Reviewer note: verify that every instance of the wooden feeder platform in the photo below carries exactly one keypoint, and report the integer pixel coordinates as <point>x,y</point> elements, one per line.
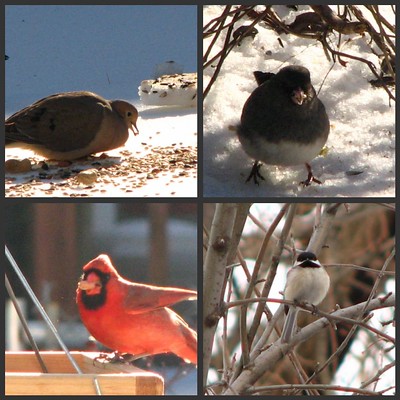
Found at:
<point>24,376</point>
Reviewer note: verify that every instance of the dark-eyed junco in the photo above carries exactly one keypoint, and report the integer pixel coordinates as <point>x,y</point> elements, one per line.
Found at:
<point>283,122</point>
<point>307,281</point>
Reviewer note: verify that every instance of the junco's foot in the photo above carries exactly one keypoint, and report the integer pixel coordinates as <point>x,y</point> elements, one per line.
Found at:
<point>283,122</point>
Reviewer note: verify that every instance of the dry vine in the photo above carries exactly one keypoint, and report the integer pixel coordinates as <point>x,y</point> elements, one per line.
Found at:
<point>321,24</point>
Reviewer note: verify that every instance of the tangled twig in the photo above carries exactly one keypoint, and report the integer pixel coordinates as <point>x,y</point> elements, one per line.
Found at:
<point>321,24</point>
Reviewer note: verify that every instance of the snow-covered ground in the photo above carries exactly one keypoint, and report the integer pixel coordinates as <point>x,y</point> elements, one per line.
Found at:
<point>360,159</point>
<point>108,50</point>
<point>144,167</point>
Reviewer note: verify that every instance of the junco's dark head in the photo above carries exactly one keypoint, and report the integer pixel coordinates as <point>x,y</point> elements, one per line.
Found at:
<point>296,82</point>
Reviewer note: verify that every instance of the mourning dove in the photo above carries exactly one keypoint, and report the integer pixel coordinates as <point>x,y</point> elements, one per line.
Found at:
<point>70,125</point>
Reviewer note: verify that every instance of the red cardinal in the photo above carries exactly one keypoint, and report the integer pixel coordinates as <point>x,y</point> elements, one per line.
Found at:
<point>131,317</point>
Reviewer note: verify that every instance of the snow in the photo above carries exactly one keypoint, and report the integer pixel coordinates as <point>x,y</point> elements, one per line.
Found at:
<point>170,90</point>
<point>360,157</point>
<point>108,50</point>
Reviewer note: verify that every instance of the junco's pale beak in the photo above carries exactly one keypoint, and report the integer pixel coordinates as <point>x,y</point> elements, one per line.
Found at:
<point>298,96</point>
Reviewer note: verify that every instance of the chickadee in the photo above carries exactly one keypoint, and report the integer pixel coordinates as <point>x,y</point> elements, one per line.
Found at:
<point>307,281</point>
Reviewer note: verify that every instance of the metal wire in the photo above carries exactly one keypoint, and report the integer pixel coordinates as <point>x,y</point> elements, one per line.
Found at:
<point>45,316</point>
<point>25,325</point>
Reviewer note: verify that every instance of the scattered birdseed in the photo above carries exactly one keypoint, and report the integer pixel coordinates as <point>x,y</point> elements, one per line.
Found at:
<point>158,163</point>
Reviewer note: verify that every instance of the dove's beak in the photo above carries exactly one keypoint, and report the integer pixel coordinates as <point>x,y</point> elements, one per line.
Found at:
<point>134,128</point>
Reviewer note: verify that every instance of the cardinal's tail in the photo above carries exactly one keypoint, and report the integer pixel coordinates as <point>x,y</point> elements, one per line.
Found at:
<point>187,347</point>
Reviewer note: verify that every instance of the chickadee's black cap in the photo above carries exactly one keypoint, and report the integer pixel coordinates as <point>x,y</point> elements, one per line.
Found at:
<point>306,255</point>
<point>308,260</point>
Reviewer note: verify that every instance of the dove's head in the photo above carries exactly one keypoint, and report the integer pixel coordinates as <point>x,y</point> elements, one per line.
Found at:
<point>128,112</point>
